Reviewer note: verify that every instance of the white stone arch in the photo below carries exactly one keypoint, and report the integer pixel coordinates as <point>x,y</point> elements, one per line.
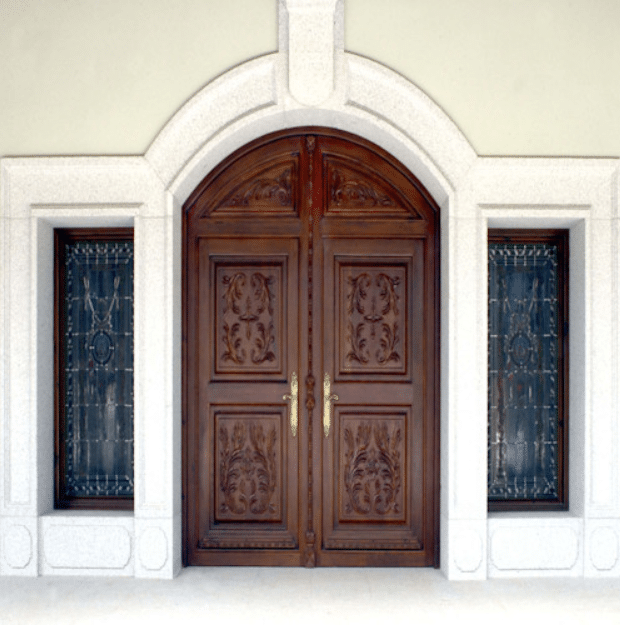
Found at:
<point>369,100</point>
<point>376,103</point>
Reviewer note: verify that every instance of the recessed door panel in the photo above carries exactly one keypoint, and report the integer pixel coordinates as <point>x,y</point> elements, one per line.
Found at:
<point>372,316</point>
<point>249,329</point>
<point>249,462</point>
<point>371,481</point>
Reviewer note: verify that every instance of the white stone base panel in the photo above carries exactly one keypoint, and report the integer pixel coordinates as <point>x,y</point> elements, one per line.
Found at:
<point>158,548</point>
<point>19,546</point>
<point>463,549</point>
<point>83,543</point>
<point>602,548</point>
<point>535,547</point>
<point>92,544</point>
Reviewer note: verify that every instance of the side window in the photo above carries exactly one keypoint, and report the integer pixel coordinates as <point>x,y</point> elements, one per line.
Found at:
<point>528,370</point>
<point>94,369</point>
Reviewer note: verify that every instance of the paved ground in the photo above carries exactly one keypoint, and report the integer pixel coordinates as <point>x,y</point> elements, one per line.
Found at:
<point>300,596</point>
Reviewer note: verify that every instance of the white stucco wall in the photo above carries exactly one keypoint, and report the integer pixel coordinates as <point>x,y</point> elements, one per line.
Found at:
<point>362,96</point>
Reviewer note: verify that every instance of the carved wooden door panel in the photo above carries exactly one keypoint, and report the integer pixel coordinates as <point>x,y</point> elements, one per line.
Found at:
<point>373,402</point>
<point>248,334</point>
<point>379,340</point>
<point>242,356</point>
<point>310,358</point>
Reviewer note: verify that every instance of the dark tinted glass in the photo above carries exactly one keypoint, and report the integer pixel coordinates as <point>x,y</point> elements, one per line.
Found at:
<point>523,371</point>
<point>98,369</point>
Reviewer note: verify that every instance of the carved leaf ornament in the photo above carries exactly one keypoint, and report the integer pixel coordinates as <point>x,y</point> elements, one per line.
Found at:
<point>372,471</point>
<point>349,191</point>
<point>248,318</point>
<point>247,467</point>
<point>373,309</point>
<point>277,190</point>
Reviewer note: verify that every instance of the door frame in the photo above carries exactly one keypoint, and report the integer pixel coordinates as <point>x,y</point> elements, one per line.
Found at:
<point>432,509</point>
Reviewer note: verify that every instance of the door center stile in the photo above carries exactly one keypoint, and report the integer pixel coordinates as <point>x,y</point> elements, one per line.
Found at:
<point>310,551</point>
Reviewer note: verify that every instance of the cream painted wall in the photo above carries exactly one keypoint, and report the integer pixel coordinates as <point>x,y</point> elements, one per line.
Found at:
<point>536,77</point>
<point>104,76</point>
<point>519,77</point>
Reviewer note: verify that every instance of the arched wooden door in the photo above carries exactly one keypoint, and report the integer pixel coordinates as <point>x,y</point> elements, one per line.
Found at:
<point>311,358</point>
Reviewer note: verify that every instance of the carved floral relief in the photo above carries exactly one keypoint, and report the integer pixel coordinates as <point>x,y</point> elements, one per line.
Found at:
<point>346,190</point>
<point>275,189</point>
<point>247,469</point>
<point>372,318</point>
<point>372,469</point>
<point>247,318</point>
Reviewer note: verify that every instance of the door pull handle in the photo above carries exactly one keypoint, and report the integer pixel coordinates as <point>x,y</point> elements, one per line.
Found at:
<point>328,399</point>
<point>293,398</point>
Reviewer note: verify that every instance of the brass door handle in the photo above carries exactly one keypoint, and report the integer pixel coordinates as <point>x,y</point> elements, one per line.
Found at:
<point>328,399</point>
<point>293,398</point>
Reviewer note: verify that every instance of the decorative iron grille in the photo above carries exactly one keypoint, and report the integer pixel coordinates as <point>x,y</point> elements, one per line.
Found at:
<point>98,369</point>
<point>523,371</point>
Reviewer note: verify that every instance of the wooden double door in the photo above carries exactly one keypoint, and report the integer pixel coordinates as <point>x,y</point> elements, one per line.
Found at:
<point>310,358</point>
